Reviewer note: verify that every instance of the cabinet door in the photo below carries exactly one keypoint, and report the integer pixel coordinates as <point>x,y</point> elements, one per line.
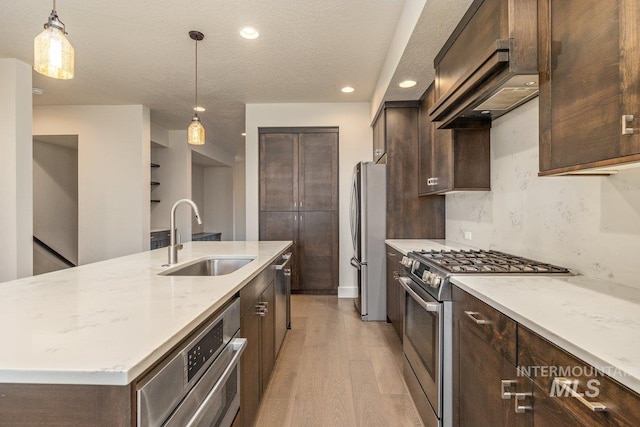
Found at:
<point>425,137</point>
<point>278,171</point>
<point>282,226</point>
<point>379,137</point>
<point>588,80</point>
<point>267,336</point>
<point>318,245</point>
<point>318,171</point>
<point>250,367</point>
<point>392,305</point>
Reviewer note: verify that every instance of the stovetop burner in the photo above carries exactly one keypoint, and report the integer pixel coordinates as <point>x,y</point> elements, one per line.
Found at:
<point>481,261</point>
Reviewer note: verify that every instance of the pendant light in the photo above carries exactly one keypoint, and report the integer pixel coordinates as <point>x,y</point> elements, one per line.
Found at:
<point>195,132</point>
<point>52,53</point>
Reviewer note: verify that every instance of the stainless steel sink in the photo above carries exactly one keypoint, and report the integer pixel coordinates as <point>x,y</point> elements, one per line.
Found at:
<point>210,267</point>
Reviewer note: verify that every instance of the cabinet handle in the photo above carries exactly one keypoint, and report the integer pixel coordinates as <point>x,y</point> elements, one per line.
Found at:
<point>300,204</point>
<point>432,181</point>
<point>626,119</point>
<point>295,204</point>
<point>287,272</point>
<point>521,409</point>
<point>504,384</point>
<point>378,151</point>
<point>391,254</point>
<point>396,274</point>
<point>569,386</point>
<point>473,315</point>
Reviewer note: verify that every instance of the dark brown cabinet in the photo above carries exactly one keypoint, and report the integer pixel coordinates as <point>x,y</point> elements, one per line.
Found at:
<point>395,291</point>
<point>299,201</point>
<point>257,325</point>
<point>451,159</point>
<point>589,87</point>
<point>484,367</point>
<point>408,216</point>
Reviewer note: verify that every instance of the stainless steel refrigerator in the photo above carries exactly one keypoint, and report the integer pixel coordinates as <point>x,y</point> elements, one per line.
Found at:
<point>368,231</point>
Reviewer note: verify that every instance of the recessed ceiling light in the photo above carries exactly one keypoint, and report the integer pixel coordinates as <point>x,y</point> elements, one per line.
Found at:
<point>199,109</point>
<point>37,91</point>
<point>407,84</point>
<point>243,134</point>
<point>347,89</point>
<point>249,33</point>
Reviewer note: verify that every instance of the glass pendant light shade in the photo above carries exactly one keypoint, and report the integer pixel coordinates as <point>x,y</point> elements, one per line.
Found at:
<point>195,132</point>
<point>53,54</point>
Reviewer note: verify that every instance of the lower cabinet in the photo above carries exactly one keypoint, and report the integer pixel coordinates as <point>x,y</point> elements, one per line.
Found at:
<point>549,388</point>
<point>486,388</point>
<point>257,325</point>
<point>395,291</point>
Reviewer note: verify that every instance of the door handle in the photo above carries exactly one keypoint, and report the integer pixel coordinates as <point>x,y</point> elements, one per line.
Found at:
<point>428,306</point>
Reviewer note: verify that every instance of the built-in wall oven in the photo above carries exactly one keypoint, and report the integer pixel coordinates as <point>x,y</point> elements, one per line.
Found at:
<point>427,345</point>
<point>199,385</point>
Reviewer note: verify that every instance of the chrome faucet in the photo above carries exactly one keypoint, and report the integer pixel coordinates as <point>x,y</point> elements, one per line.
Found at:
<point>173,247</point>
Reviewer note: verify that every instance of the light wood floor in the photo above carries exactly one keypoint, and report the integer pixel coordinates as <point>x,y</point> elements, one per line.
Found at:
<point>335,370</point>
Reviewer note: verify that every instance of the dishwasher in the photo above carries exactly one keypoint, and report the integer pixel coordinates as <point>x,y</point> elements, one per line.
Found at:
<point>283,298</point>
<point>199,384</point>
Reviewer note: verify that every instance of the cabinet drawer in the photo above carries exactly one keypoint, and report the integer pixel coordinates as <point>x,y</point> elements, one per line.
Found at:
<point>489,324</point>
<point>546,363</point>
<point>252,291</point>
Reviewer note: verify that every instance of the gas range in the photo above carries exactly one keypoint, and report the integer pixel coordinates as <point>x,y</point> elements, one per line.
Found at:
<point>432,269</point>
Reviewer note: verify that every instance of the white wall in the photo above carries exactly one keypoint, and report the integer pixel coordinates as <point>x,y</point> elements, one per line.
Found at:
<point>55,197</point>
<point>197,195</point>
<point>355,144</point>
<point>587,223</point>
<point>16,190</point>
<point>113,174</point>
<point>218,201</point>
<point>239,200</point>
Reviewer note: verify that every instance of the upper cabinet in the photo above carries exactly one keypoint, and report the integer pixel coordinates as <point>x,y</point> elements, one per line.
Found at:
<point>589,85</point>
<point>379,138</point>
<point>451,159</point>
<point>489,65</point>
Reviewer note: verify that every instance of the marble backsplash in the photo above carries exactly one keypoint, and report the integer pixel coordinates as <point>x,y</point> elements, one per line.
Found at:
<point>590,224</point>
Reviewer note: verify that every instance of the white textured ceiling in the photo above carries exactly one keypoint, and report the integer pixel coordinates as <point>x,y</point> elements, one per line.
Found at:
<point>139,52</point>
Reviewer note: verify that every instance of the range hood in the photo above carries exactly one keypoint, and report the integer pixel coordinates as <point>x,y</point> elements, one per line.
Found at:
<point>489,65</point>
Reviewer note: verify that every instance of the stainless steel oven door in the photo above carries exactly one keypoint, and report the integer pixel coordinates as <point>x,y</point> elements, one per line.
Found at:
<point>215,399</point>
<point>423,339</point>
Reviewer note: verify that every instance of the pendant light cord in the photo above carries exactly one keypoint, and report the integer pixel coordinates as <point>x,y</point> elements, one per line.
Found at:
<point>196,106</point>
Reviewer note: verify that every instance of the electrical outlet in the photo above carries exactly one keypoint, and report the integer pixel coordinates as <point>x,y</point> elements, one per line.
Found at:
<point>468,235</point>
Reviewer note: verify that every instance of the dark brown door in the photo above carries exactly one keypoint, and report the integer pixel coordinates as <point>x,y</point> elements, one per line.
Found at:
<point>282,226</point>
<point>318,252</point>
<point>267,336</point>
<point>250,371</point>
<point>278,172</point>
<point>318,182</point>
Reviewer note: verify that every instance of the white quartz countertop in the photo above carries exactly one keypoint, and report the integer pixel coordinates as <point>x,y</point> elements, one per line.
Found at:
<point>598,322</point>
<point>406,245</point>
<point>107,322</point>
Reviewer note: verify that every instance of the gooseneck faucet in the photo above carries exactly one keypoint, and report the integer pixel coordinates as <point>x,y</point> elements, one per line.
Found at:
<point>173,247</point>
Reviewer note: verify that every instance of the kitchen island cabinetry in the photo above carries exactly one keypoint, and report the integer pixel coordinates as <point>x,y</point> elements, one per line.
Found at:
<point>408,216</point>
<point>484,366</point>
<point>451,160</point>
<point>257,325</point>
<point>395,292</point>
<point>589,91</point>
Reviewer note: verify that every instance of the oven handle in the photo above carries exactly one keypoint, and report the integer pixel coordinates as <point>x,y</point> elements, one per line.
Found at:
<point>429,306</point>
<point>238,344</point>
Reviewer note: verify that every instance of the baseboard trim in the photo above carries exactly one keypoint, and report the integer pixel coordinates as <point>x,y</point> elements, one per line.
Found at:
<point>347,292</point>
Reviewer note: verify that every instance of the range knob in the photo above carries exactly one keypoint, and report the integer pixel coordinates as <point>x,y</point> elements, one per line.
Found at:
<point>435,281</point>
<point>406,261</point>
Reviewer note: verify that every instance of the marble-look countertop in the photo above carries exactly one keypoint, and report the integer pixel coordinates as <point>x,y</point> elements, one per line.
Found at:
<point>107,322</point>
<point>406,245</point>
<point>598,322</point>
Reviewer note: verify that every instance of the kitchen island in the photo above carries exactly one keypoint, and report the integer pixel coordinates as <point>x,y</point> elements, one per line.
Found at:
<point>106,323</point>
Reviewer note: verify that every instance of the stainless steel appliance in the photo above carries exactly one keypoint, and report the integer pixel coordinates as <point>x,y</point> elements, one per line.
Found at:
<point>199,384</point>
<point>368,231</point>
<point>283,298</point>
<point>428,325</point>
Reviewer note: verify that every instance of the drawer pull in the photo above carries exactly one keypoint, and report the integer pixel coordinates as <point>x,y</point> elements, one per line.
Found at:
<point>473,315</point>
<point>391,254</point>
<point>570,387</point>
<point>504,384</point>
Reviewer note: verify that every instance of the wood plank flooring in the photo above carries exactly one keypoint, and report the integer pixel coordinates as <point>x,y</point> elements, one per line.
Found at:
<point>335,370</point>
